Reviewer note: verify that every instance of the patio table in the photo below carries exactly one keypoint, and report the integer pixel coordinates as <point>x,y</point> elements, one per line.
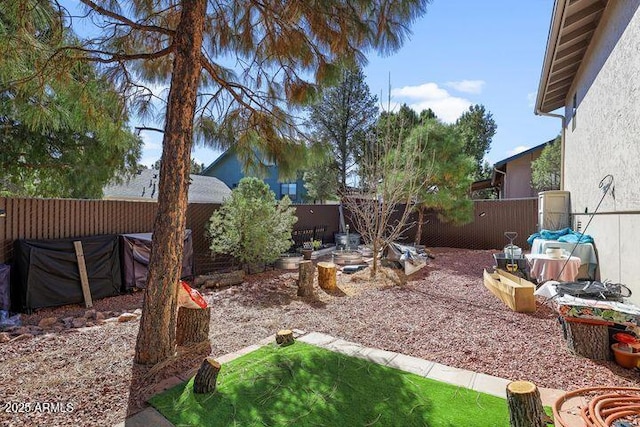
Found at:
<point>543,267</point>
<point>585,251</point>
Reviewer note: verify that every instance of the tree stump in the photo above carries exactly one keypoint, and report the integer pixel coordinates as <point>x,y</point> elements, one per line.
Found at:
<point>587,339</point>
<point>305,278</point>
<point>525,406</point>
<point>192,325</point>
<point>327,276</point>
<point>205,380</point>
<point>284,337</point>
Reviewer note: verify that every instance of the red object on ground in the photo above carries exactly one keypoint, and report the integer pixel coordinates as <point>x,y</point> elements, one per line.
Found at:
<point>189,297</point>
<point>625,338</point>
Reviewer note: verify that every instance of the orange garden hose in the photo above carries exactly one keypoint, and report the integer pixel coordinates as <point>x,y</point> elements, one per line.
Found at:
<point>607,406</point>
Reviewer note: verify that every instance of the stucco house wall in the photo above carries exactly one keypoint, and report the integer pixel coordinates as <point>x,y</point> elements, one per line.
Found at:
<point>602,136</point>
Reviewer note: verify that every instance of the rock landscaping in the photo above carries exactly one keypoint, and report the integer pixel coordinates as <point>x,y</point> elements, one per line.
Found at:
<point>84,358</point>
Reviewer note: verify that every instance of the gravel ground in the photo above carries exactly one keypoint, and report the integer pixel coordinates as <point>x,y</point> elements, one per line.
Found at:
<point>443,313</point>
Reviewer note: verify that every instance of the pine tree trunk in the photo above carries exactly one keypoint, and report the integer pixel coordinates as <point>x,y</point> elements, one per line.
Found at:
<point>157,334</point>
<point>192,325</point>
<point>525,406</point>
<point>306,272</point>
<point>205,380</point>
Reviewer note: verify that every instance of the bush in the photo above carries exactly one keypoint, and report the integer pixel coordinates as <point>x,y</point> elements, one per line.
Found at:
<point>252,226</point>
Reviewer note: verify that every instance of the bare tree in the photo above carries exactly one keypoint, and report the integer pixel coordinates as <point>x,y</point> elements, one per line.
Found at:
<point>390,179</point>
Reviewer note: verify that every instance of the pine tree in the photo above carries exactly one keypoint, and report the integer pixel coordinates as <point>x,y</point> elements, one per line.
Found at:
<point>187,45</point>
<point>341,120</point>
<point>476,128</point>
<point>545,170</point>
<point>64,129</point>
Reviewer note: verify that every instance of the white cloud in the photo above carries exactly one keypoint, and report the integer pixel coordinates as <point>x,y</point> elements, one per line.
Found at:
<point>531,99</point>
<point>430,95</point>
<point>518,149</point>
<point>467,86</point>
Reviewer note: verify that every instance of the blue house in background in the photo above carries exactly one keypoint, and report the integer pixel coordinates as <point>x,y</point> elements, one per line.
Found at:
<point>228,169</point>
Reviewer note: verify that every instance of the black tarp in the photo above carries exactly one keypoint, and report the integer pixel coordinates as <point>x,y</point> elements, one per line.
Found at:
<point>47,274</point>
<point>136,250</point>
<point>5,287</point>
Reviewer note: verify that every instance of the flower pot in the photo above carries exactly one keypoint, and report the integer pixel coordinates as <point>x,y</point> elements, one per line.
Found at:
<point>625,359</point>
<point>288,262</point>
<point>306,253</point>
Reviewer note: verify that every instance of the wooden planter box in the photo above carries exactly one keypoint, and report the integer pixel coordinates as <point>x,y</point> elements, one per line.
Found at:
<point>515,292</point>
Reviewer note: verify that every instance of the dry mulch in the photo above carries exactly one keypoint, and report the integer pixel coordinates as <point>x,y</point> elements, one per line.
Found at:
<point>443,313</point>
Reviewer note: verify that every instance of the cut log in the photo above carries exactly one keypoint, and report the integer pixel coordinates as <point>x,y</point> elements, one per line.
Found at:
<point>525,405</point>
<point>327,276</point>
<point>587,339</point>
<point>220,279</point>
<point>284,337</point>
<point>192,325</point>
<point>306,273</point>
<point>205,380</point>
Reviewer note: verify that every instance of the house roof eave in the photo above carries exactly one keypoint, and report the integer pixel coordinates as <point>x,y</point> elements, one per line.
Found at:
<point>573,23</point>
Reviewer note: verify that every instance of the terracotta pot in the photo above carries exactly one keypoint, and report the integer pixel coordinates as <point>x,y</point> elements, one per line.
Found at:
<point>625,359</point>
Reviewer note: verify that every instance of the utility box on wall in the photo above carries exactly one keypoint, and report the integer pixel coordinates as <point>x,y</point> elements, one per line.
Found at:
<point>553,210</point>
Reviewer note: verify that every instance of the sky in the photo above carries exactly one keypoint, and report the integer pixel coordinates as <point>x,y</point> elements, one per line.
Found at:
<point>465,52</point>
<point>461,52</point>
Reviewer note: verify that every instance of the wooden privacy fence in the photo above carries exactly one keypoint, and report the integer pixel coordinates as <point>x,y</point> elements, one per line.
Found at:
<point>491,218</point>
<point>66,218</point>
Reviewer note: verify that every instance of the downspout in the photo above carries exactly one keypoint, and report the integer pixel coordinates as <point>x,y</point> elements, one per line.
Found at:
<point>564,121</point>
<point>557,19</point>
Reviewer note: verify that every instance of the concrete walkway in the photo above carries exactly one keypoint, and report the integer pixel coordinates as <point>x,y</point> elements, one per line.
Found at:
<point>475,381</point>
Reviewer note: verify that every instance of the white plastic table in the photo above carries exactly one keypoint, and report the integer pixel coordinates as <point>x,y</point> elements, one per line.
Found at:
<point>542,268</point>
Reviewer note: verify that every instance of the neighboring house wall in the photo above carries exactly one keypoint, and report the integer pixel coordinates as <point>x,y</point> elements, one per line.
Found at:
<point>517,181</point>
<point>602,136</point>
<point>513,175</point>
<point>228,169</point>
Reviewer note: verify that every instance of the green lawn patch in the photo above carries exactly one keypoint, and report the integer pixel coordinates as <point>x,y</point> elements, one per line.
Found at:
<point>304,385</point>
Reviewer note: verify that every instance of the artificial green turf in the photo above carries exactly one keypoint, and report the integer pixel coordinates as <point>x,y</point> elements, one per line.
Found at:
<point>304,385</point>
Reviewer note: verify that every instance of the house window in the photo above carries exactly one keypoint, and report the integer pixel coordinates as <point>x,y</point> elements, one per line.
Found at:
<point>288,189</point>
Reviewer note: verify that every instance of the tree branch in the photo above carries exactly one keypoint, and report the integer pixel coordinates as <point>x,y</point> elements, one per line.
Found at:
<point>127,21</point>
<point>117,57</point>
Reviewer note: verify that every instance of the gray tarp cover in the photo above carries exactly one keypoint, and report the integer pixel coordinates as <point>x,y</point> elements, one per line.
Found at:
<point>5,283</point>
<point>47,274</point>
<point>136,249</point>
